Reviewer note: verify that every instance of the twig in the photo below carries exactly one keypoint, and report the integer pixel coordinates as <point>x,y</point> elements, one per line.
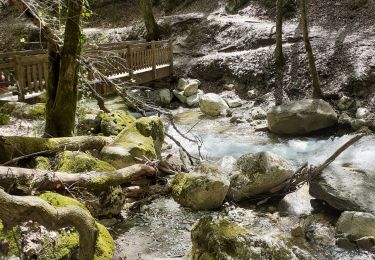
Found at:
<point>27,156</point>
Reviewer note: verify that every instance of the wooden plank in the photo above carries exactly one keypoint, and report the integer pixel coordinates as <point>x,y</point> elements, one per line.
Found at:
<point>40,76</point>
<point>35,81</point>
<point>29,80</point>
<point>45,73</point>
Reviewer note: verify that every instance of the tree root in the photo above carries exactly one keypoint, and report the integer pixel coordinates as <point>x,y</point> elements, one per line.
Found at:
<point>15,210</point>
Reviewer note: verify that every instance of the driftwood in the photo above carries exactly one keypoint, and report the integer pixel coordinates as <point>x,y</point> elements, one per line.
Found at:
<point>12,147</point>
<point>15,210</point>
<point>30,180</point>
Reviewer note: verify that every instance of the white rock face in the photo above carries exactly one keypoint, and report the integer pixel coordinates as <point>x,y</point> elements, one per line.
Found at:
<point>258,173</point>
<point>258,114</point>
<point>189,87</point>
<point>233,103</point>
<point>362,113</point>
<point>164,96</point>
<point>213,105</point>
<point>356,224</point>
<point>301,117</point>
<point>193,100</point>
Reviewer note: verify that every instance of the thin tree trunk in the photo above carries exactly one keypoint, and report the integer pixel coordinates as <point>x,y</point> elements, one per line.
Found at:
<point>153,31</point>
<point>279,56</point>
<point>62,88</point>
<point>317,92</point>
<point>15,210</point>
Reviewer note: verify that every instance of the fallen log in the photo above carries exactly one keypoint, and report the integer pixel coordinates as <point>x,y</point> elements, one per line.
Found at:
<point>15,210</point>
<point>29,180</point>
<point>12,147</point>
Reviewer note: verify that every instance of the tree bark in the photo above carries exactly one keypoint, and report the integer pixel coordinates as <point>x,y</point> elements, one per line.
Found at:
<point>15,146</point>
<point>62,88</point>
<point>279,56</point>
<point>16,210</point>
<point>153,31</point>
<point>317,92</point>
<point>30,180</point>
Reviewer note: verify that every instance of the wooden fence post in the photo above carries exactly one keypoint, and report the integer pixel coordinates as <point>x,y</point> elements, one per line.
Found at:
<point>130,61</point>
<point>153,49</point>
<point>170,45</point>
<point>20,77</point>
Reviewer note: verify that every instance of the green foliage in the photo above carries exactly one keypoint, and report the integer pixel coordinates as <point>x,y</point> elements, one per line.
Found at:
<point>4,119</point>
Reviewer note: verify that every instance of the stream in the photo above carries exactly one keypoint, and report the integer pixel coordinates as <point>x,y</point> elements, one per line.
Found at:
<point>161,230</point>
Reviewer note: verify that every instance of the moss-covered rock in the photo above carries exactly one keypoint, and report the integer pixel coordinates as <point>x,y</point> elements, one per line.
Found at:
<point>68,242</point>
<point>221,239</point>
<point>4,119</point>
<point>78,162</point>
<point>113,123</point>
<point>203,189</point>
<point>24,111</point>
<point>142,138</point>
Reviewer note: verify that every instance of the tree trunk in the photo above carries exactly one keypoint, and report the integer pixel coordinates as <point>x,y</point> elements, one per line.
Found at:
<point>317,92</point>
<point>153,31</point>
<point>15,146</point>
<point>15,210</point>
<point>279,56</point>
<point>62,87</point>
<point>29,180</point>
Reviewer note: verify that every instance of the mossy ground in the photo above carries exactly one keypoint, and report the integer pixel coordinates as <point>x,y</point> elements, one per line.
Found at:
<point>78,162</point>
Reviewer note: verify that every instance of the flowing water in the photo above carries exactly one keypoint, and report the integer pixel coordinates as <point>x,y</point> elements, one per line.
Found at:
<point>161,230</point>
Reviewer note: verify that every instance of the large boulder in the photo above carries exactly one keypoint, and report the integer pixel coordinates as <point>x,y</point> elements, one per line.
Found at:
<point>301,117</point>
<point>213,105</point>
<point>258,173</point>
<point>204,188</point>
<point>356,224</point>
<point>345,188</point>
<point>219,238</point>
<point>143,138</point>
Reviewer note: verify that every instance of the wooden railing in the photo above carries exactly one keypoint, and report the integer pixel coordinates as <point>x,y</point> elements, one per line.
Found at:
<point>138,61</point>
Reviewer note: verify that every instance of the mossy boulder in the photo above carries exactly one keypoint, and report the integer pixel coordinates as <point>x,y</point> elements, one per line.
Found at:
<point>221,239</point>
<point>258,173</point>
<point>24,111</point>
<point>4,119</point>
<point>113,123</point>
<point>204,188</point>
<point>69,242</point>
<point>78,162</point>
<point>143,138</point>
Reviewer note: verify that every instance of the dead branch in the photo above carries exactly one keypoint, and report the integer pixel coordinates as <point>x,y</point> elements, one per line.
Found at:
<point>15,210</point>
<point>40,180</point>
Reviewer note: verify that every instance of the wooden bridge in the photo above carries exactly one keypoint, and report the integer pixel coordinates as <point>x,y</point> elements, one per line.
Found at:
<point>136,61</point>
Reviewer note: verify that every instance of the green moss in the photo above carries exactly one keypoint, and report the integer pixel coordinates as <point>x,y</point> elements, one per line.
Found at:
<point>60,201</point>
<point>36,111</point>
<point>105,246</point>
<point>4,119</point>
<point>41,163</point>
<point>78,162</point>
<point>115,122</point>
<point>12,237</point>
<point>9,107</point>
<point>152,127</point>
<point>68,242</point>
<point>61,247</point>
